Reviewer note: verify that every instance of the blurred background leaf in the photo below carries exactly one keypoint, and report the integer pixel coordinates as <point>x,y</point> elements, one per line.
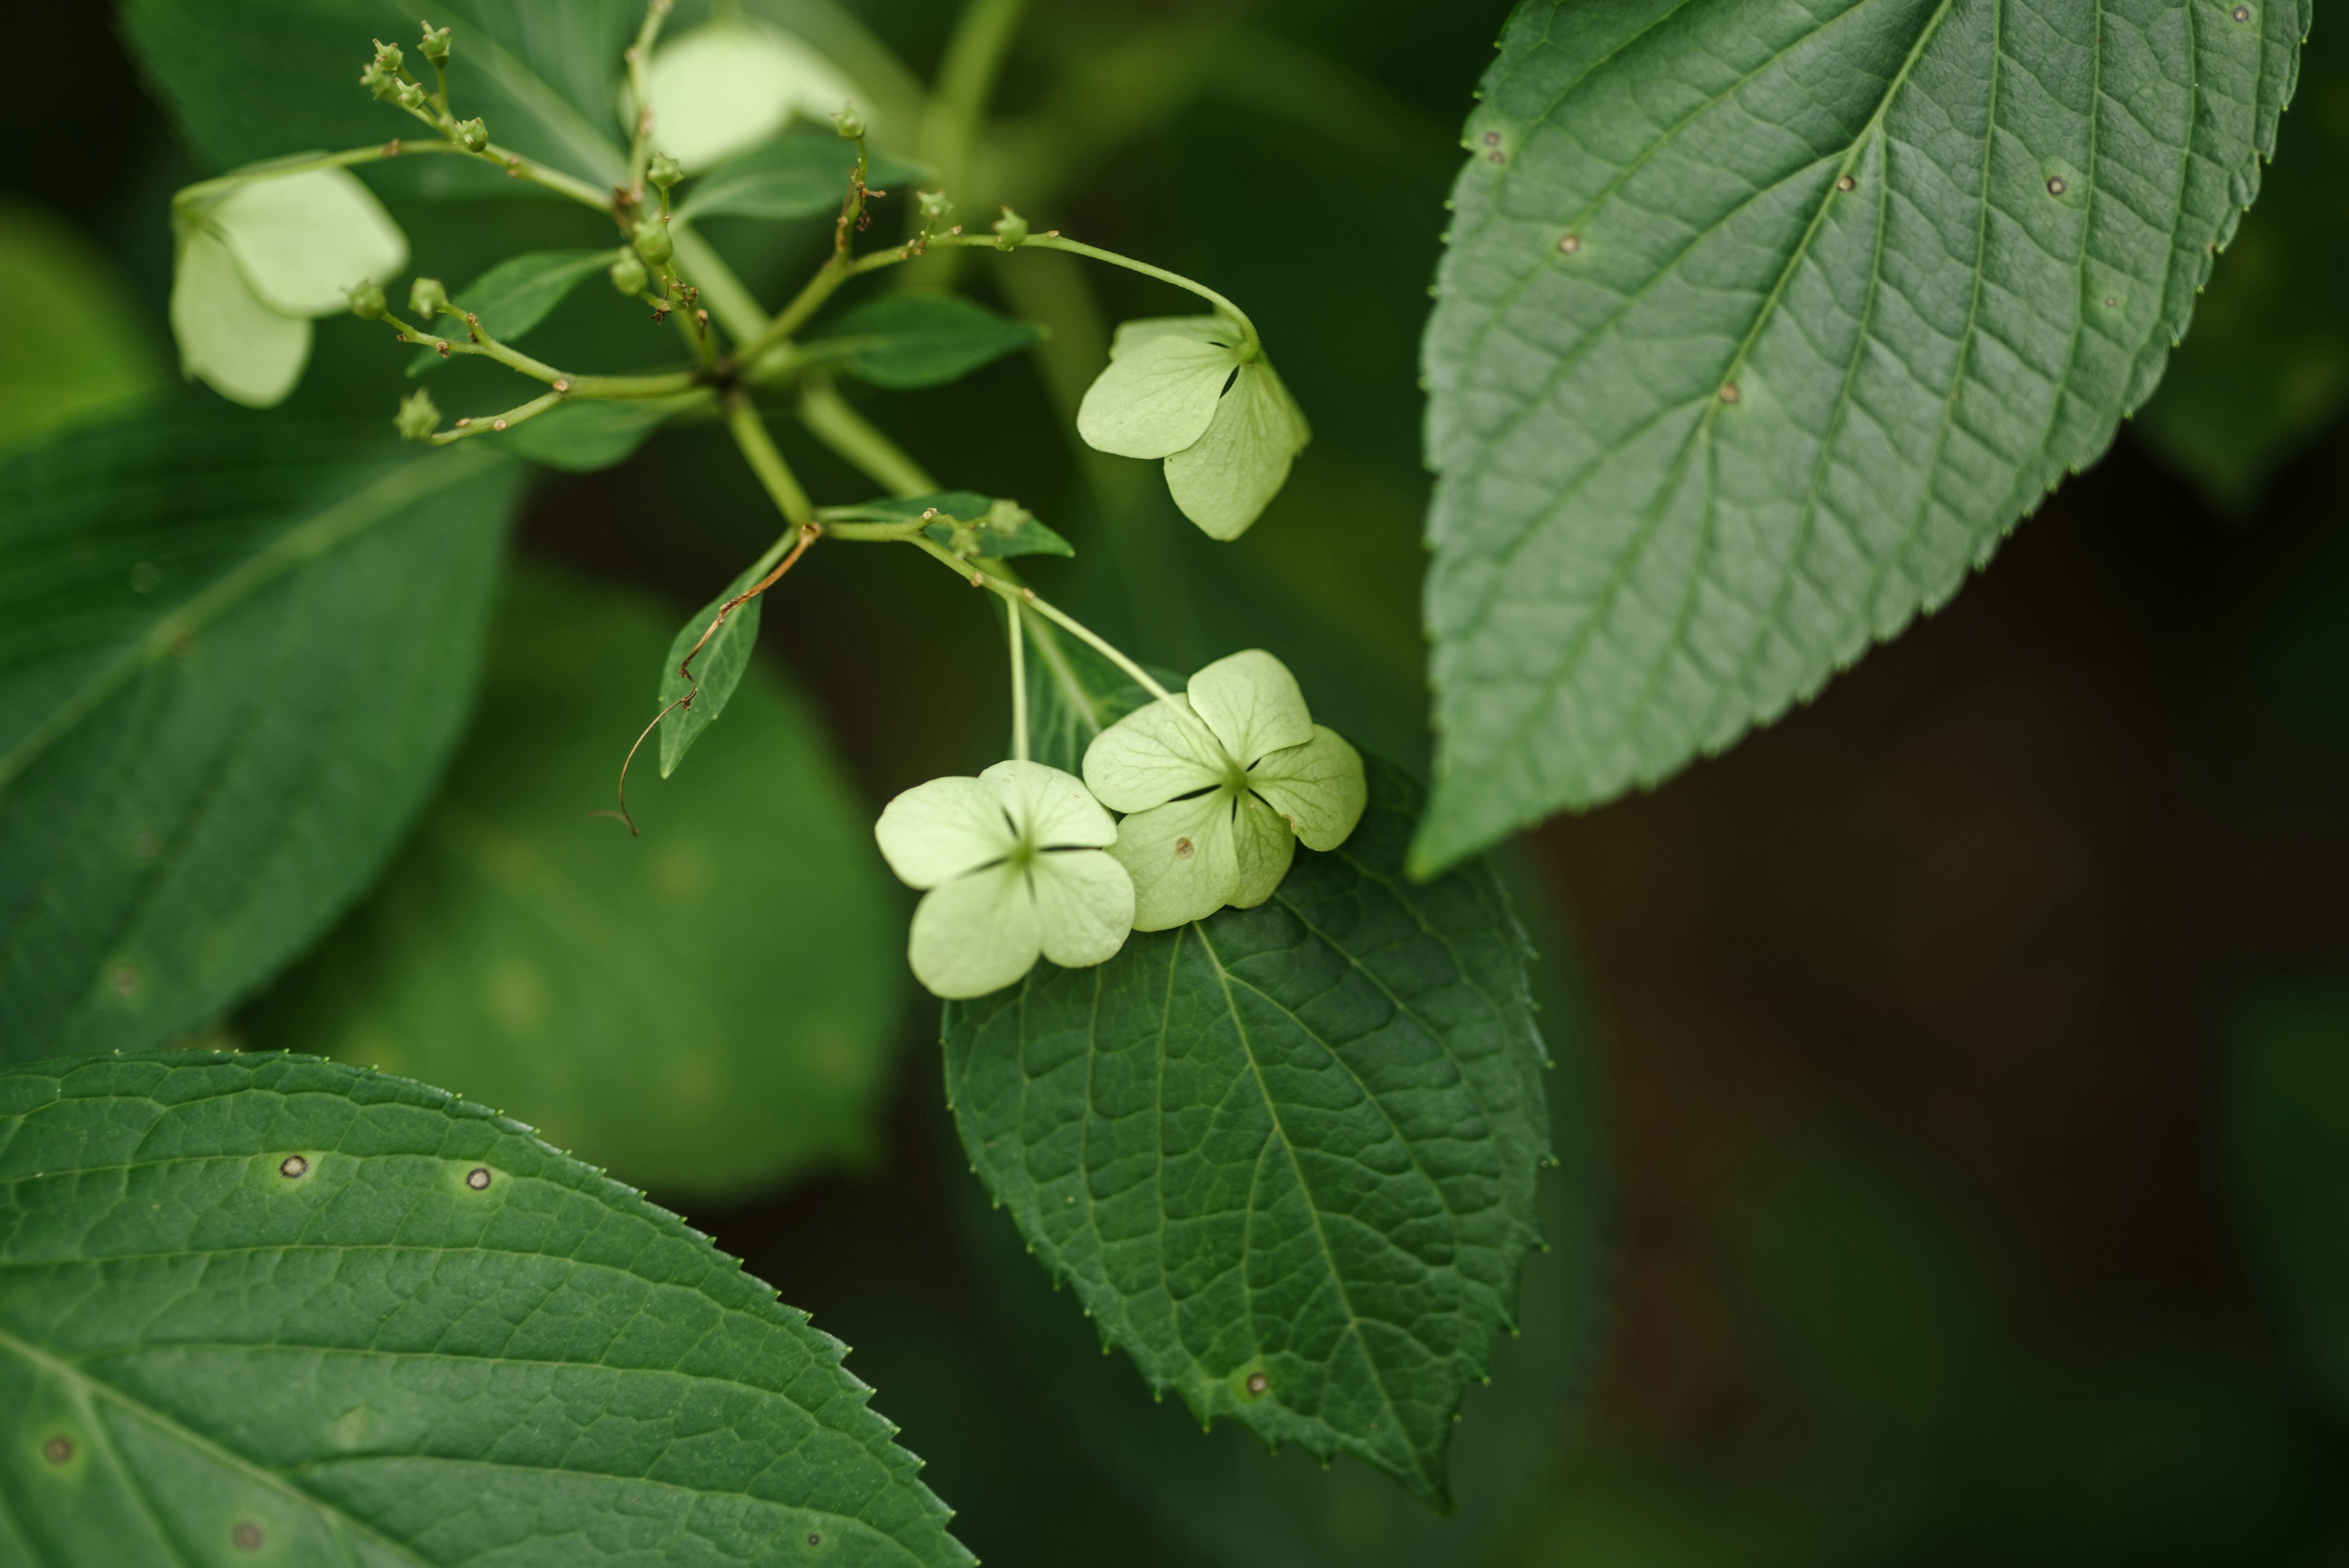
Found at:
<point>78,349</point>
<point>709,1008</point>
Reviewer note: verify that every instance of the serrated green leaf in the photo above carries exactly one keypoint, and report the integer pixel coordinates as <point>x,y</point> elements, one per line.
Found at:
<point>803,173</point>
<point>1297,1142</point>
<point>435,1340</point>
<point>709,1008</point>
<point>717,670</point>
<point>1759,329</point>
<point>543,74</point>
<point>904,341</point>
<point>234,656</point>
<point>593,434</point>
<point>2266,366</point>
<point>518,293</point>
<point>2289,1144</point>
<point>85,354</point>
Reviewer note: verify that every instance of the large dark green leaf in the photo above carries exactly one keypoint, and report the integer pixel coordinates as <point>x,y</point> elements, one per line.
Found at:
<point>275,1309</point>
<point>904,341</point>
<point>1760,327</point>
<point>279,75</point>
<point>1285,1156</point>
<point>86,353</point>
<point>583,436</point>
<point>709,1007</point>
<point>234,656</point>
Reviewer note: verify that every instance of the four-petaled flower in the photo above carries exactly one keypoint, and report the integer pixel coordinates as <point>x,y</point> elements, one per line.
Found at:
<point>1198,391</point>
<point>258,260</point>
<point>1012,865</point>
<point>1220,784</point>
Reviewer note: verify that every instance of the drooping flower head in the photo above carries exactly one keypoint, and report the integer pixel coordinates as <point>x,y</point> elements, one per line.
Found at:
<point>1220,784</point>
<point>257,262</point>
<point>1012,866</point>
<point>1198,391</point>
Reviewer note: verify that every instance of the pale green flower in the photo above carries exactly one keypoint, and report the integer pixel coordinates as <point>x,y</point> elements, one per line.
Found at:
<point>1220,783</point>
<point>1196,390</point>
<point>256,262</point>
<point>729,85</point>
<point>1012,867</point>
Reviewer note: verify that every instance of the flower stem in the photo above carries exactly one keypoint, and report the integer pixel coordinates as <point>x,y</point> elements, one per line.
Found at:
<point>858,442</point>
<point>758,451</point>
<point>638,55</point>
<point>498,423</point>
<point>1019,684</point>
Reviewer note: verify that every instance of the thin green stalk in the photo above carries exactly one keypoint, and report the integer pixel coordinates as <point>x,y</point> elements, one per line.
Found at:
<point>376,154</point>
<point>966,80</point>
<point>639,54</point>
<point>758,451</point>
<point>835,423</point>
<point>664,385</point>
<point>1019,684</point>
<point>469,427</point>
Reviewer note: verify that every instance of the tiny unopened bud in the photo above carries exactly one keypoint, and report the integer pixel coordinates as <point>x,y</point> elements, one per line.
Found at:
<point>652,241</point>
<point>473,135</point>
<point>627,275</point>
<point>378,80</point>
<point>935,208</point>
<point>425,298</point>
<point>419,416</point>
<point>850,123</point>
<point>1010,231</point>
<point>435,47</point>
<point>663,172</point>
<point>367,300</point>
<point>410,95</point>
<point>387,56</point>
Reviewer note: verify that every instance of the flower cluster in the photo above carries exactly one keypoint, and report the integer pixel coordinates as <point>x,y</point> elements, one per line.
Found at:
<point>1217,784</point>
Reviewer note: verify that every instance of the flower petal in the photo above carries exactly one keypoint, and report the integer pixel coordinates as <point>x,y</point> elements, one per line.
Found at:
<point>1224,480</point>
<point>944,829</point>
<point>247,352</point>
<point>1050,808</point>
<point>1208,328</point>
<point>975,934</point>
<point>1317,786</point>
<point>1262,847</point>
<point>1181,860</point>
<point>726,87</point>
<point>1157,395</point>
<point>1252,703</point>
<point>1151,755</point>
<point>1085,906</point>
<point>302,239</point>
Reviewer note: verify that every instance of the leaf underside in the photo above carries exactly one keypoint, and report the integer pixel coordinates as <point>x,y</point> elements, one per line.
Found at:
<point>234,657</point>
<point>1296,1143</point>
<point>1760,327</point>
<point>440,1342</point>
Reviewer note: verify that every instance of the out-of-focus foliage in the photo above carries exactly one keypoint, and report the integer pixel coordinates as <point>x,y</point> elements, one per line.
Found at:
<point>77,349</point>
<point>708,1008</point>
<point>2267,365</point>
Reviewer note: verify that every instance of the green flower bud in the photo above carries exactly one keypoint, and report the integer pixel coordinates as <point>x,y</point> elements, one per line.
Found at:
<point>419,416</point>
<point>473,135</point>
<point>663,172</point>
<point>850,123</point>
<point>628,275</point>
<point>387,56</point>
<point>435,47</point>
<point>1010,231</point>
<point>427,299</point>
<point>378,80</point>
<point>935,208</point>
<point>653,241</point>
<point>410,95</point>
<point>368,301</point>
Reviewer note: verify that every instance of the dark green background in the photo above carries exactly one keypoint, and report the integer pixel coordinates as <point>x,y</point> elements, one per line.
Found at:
<point>1957,1050</point>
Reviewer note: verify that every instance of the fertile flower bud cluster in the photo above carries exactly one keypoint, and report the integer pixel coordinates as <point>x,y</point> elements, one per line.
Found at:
<point>1218,784</point>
